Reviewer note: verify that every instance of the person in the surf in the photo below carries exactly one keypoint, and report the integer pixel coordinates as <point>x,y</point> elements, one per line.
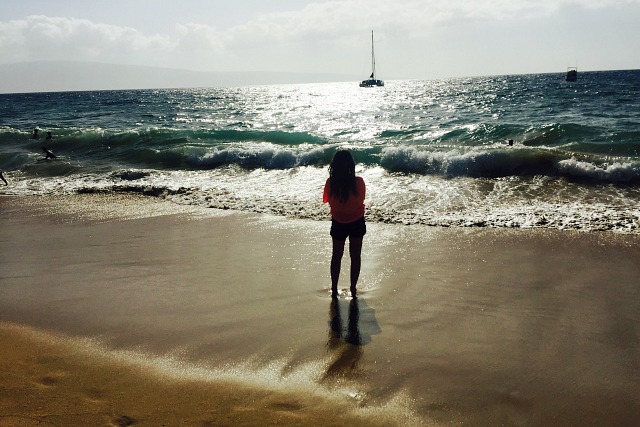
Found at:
<point>345,193</point>
<point>48,154</point>
<point>2,178</point>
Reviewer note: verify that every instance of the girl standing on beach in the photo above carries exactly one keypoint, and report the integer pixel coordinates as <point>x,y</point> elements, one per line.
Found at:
<point>345,192</point>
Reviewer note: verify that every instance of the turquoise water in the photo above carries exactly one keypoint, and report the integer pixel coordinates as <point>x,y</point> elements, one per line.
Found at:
<point>431,152</point>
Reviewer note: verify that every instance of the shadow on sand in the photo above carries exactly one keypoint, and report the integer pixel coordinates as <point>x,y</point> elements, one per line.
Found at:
<point>346,341</point>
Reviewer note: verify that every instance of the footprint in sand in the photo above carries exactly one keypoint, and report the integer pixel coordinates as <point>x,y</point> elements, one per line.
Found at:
<point>51,380</point>
<point>48,381</point>
<point>124,421</point>
<point>286,406</point>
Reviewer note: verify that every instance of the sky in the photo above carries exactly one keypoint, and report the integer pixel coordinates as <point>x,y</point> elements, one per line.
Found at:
<point>414,39</point>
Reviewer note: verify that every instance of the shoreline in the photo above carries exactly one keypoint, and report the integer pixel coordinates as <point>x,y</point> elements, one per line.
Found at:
<point>480,326</point>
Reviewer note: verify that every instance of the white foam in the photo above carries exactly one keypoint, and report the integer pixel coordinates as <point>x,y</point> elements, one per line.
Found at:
<point>615,172</point>
<point>538,201</point>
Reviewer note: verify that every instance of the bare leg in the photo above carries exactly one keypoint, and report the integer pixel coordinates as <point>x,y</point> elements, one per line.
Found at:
<point>336,261</point>
<point>355,249</point>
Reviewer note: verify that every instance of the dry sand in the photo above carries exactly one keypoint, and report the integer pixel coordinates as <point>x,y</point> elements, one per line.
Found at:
<point>120,310</point>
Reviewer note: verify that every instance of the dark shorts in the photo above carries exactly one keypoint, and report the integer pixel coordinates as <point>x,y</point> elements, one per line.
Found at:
<point>340,231</point>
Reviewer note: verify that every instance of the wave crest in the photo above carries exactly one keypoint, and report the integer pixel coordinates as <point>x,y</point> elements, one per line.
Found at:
<point>616,172</point>
<point>259,156</point>
<point>503,162</point>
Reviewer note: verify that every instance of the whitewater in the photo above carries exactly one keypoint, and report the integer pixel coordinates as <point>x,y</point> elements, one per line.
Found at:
<point>436,153</point>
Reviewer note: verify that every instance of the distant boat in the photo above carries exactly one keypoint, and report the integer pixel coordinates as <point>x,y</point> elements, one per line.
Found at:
<point>372,81</point>
<point>572,74</point>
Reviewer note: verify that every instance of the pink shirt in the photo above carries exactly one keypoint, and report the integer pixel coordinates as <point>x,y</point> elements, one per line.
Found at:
<point>350,211</point>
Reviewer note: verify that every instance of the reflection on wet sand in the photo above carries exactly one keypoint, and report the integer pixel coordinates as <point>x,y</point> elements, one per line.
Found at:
<point>345,342</point>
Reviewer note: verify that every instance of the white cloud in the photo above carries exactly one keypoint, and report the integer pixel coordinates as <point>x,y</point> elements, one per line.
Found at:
<point>42,37</point>
<point>414,18</point>
<point>199,37</point>
<point>414,35</point>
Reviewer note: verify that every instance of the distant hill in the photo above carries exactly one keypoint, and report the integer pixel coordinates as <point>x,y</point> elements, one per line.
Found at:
<point>54,76</point>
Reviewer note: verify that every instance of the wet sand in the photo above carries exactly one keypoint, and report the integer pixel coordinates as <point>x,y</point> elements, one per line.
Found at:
<point>46,380</point>
<point>122,310</point>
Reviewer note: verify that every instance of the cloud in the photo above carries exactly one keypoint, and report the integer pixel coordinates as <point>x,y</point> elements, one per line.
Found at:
<point>50,38</point>
<point>198,37</point>
<point>312,36</point>
<point>340,19</point>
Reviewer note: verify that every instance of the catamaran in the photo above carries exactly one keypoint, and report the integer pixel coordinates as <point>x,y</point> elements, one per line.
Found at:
<point>372,81</point>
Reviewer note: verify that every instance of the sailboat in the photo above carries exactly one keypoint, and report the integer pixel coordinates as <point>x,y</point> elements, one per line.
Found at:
<point>372,81</point>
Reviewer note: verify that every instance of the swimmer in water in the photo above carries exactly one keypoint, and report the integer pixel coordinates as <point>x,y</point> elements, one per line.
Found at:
<point>48,154</point>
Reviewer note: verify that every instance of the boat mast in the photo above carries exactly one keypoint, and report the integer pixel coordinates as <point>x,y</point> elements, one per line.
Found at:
<point>373,59</point>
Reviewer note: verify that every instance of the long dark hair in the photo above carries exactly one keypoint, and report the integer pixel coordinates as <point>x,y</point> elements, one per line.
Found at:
<point>342,175</point>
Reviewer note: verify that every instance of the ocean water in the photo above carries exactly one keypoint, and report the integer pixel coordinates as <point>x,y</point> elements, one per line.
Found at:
<point>431,152</point>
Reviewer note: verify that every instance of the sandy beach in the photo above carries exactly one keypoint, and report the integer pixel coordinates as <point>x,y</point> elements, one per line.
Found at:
<point>121,310</point>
